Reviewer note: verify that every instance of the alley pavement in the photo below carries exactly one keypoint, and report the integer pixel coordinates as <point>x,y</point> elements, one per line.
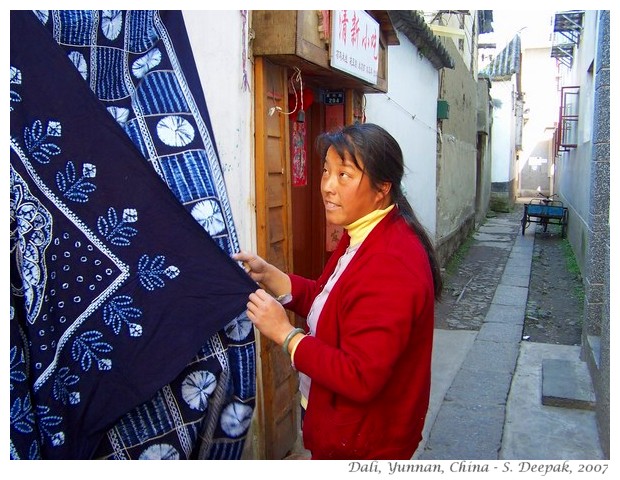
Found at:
<point>494,395</point>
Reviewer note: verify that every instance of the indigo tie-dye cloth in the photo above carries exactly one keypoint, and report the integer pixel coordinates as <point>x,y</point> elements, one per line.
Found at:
<point>129,337</point>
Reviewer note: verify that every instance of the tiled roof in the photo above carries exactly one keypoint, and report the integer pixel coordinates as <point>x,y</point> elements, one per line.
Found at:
<point>419,33</point>
<point>507,63</point>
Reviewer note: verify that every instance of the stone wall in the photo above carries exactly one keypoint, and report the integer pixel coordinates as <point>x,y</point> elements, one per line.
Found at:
<point>503,196</point>
<point>456,150</point>
<point>597,272</point>
<point>450,244</point>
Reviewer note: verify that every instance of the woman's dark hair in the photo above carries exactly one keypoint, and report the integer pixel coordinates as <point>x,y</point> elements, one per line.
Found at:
<point>383,162</point>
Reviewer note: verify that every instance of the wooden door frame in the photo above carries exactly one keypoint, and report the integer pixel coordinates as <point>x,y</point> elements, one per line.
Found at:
<point>276,381</point>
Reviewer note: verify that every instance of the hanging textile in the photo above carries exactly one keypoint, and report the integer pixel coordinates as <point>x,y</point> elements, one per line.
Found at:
<point>128,332</point>
<point>299,161</point>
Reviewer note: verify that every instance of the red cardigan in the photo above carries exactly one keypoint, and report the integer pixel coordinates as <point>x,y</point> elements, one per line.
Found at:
<point>370,362</point>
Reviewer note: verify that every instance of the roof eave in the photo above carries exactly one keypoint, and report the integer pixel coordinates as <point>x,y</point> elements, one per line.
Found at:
<point>419,33</point>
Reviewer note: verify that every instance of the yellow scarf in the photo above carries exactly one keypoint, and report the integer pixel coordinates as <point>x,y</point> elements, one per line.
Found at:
<point>360,228</point>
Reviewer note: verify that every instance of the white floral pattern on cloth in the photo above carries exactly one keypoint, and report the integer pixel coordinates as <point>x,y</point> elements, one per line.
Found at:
<point>161,451</point>
<point>236,418</point>
<point>111,23</point>
<point>175,131</point>
<point>208,214</point>
<point>80,63</point>
<point>197,388</point>
<point>31,233</point>
<point>146,63</point>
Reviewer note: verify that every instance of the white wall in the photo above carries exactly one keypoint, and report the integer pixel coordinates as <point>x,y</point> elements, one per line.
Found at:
<point>540,87</point>
<point>503,132</point>
<point>216,41</point>
<point>409,112</point>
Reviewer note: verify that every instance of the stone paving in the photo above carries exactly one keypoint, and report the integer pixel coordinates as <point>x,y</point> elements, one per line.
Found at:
<point>469,290</point>
<point>469,423</point>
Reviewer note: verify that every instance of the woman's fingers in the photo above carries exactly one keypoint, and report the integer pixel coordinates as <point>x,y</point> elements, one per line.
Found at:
<point>258,301</point>
<point>241,256</point>
<point>267,315</point>
<point>252,264</point>
<point>254,303</point>
<point>261,295</point>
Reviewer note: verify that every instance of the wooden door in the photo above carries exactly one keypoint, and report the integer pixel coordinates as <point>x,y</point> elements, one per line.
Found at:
<point>277,382</point>
<point>308,214</point>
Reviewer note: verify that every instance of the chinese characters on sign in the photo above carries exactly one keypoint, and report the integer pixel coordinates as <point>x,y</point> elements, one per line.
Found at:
<point>355,44</point>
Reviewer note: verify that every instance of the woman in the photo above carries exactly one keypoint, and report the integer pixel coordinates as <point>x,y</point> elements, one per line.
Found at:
<point>365,359</point>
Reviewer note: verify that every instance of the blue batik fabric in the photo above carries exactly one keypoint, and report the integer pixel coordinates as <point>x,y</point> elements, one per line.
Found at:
<point>129,337</point>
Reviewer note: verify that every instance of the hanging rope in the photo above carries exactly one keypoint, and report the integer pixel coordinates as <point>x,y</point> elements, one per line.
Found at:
<point>295,78</point>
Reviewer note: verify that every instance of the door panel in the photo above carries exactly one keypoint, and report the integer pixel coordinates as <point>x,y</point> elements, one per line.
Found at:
<point>277,414</point>
<point>307,206</point>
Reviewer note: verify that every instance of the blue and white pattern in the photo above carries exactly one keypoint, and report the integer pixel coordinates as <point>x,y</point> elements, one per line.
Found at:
<point>236,418</point>
<point>146,63</point>
<point>151,272</point>
<point>160,103</point>
<point>74,188</point>
<point>160,451</point>
<point>141,68</point>
<point>29,239</point>
<point>111,23</point>
<point>208,214</point>
<point>16,79</point>
<point>197,387</point>
<point>95,273</point>
<point>175,131</point>
<point>80,63</point>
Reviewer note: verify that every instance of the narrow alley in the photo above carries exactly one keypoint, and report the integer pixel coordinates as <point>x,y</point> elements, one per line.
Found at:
<point>489,399</point>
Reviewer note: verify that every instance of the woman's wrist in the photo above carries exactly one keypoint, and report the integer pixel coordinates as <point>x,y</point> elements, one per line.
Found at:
<point>292,346</point>
<point>278,282</point>
<point>293,333</point>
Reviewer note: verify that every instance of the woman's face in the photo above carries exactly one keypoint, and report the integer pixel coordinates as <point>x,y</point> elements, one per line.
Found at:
<point>347,191</point>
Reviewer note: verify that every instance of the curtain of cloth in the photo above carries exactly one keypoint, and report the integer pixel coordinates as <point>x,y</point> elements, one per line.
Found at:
<point>129,337</point>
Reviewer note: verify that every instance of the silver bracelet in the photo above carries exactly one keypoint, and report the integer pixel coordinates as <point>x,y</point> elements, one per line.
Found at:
<point>288,338</point>
<point>282,299</point>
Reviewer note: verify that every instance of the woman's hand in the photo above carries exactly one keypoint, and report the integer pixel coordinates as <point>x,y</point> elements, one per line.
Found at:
<point>269,276</point>
<point>254,265</point>
<point>268,316</point>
